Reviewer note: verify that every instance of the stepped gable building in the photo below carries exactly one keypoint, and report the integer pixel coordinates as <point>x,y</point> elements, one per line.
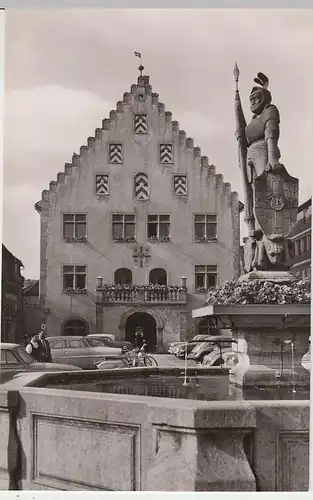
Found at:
<point>136,229</point>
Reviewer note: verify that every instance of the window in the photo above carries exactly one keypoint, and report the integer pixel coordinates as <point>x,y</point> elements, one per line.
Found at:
<point>75,344</point>
<point>141,186</point>
<point>74,227</point>
<point>180,185</point>
<point>207,327</point>
<point>11,359</point>
<point>308,242</point>
<point>205,228</point>
<point>166,153</point>
<point>74,277</point>
<point>115,153</point>
<point>56,344</point>
<point>205,277</point>
<point>123,228</point>
<point>158,276</point>
<point>159,228</point>
<point>3,358</point>
<point>140,124</point>
<point>123,276</point>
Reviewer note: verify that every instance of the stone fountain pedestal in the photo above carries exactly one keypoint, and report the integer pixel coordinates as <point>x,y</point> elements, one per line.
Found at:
<point>264,334</point>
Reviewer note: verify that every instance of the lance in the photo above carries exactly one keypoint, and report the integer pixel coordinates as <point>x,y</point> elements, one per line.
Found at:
<point>242,152</point>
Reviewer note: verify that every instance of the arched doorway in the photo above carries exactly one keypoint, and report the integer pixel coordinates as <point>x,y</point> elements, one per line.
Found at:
<point>158,276</point>
<point>147,323</point>
<point>75,327</point>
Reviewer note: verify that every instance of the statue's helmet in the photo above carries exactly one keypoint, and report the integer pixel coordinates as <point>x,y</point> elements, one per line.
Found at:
<point>260,96</point>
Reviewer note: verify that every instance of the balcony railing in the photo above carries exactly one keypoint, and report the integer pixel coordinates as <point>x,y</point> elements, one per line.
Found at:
<point>155,294</point>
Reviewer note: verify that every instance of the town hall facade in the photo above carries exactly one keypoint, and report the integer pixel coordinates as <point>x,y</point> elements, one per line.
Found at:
<point>136,229</point>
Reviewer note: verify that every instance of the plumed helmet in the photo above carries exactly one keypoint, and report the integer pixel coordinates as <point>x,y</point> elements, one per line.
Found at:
<point>262,91</point>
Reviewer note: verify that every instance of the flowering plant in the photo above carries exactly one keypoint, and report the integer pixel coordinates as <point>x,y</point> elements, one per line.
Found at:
<point>200,289</point>
<point>260,292</point>
<point>161,239</point>
<point>75,239</point>
<point>205,239</point>
<point>126,239</point>
<point>77,291</point>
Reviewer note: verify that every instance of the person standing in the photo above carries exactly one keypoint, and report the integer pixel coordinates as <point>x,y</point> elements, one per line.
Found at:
<point>34,348</point>
<point>46,351</point>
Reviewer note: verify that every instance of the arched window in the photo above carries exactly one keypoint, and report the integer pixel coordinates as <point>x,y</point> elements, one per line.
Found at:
<point>158,276</point>
<point>207,327</point>
<point>75,327</point>
<point>141,186</point>
<point>123,276</point>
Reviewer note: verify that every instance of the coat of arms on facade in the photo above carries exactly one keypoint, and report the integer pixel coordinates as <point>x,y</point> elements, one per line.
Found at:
<point>141,255</point>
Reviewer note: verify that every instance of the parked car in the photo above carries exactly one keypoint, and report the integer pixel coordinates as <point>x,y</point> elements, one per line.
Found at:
<point>218,341</point>
<point>79,351</point>
<point>15,360</point>
<point>174,346</point>
<point>108,335</point>
<point>181,349</point>
<point>100,340</point>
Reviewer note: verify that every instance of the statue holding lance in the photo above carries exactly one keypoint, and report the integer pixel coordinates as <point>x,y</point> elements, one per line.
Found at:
<point>270,193</point>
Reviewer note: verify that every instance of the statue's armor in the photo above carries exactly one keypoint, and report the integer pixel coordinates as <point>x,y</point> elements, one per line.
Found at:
<point>258,131</point>
<point>265,126</point>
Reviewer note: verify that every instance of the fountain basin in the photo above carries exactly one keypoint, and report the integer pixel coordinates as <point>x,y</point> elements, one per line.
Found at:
<point>128,442</point>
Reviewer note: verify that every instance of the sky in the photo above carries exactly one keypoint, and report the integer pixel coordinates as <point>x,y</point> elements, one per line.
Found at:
<point>65,69</point>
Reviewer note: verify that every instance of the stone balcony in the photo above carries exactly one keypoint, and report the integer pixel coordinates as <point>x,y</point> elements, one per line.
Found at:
<point>141,294</point>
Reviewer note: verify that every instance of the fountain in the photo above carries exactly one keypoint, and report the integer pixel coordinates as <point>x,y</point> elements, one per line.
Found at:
<point>196,428</point>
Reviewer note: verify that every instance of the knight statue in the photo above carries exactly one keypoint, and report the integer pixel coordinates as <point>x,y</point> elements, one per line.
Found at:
<point>270,193</point>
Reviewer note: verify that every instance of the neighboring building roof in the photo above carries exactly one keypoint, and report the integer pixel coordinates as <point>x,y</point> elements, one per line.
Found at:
<point>9,255</point>
<point>31,287</point>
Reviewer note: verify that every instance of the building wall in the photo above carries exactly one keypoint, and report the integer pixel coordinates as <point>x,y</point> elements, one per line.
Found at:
<point>74,192</point>
<point>31,307</point>
<point>12,326</point>
<point>301,236</point>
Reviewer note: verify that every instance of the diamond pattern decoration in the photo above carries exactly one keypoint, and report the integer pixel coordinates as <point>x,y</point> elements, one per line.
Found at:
<point>180,185</point>
<point>102,184</point>
<point>140,124</point>
<point>166,153</point>
<point>141,186</point>
<point>115,153</point>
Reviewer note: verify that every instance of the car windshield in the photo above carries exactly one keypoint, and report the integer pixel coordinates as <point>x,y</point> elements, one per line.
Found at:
<point>24,355</point>
<point>86,342</point>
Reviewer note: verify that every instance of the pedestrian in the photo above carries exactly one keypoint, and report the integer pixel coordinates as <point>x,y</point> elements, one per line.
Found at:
<point>34,348</point>
<point>139,340</point>
<point>46,351</point>
<point>25,340</point>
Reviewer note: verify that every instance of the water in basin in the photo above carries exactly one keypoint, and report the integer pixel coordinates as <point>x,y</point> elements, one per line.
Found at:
<point>206,388</point>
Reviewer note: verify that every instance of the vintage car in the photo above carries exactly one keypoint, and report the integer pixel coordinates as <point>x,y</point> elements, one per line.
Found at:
<point>104,335</point>
<point>15,361</point>
<point>79,351</point>
<point>214,342</point>
<point>173,347</point>
<point>98,340</point>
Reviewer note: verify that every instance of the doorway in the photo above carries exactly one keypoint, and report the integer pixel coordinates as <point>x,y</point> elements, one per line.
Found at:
<point>147,323</point>
<point>75,327</point>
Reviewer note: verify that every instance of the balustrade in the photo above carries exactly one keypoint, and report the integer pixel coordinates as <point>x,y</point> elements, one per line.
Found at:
<point>148,294</point>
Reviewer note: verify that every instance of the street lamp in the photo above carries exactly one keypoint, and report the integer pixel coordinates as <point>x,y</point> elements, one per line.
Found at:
<point>99,282</point>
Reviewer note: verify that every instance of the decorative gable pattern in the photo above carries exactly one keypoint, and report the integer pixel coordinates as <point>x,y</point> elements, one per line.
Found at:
<point>115,153</point>
<point>102,184</point>
<point>180,185</point>
<point>141,182</point>
<point>140,124</point>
